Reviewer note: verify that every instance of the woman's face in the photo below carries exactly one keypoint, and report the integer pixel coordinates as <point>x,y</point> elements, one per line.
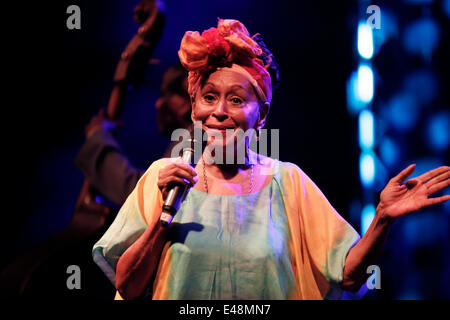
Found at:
<point>227,100</point>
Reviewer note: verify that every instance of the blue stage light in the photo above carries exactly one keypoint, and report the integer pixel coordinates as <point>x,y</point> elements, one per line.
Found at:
<point>367,169</point>
<point>365,83</point>
<point>402,111</point>
<point>354,104</point>
<point>446,7</point>
<point>367,215</point>
<point>365,40</point>
<point>421,37</point>
<point>438,132</point>
<point>366,129</point>
<point>389,29</point>
<point>422,84</point>
<point>389,152</point>
<point>425,164</point>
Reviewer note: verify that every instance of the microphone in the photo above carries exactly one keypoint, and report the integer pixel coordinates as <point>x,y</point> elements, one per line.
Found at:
<point>177,194</point>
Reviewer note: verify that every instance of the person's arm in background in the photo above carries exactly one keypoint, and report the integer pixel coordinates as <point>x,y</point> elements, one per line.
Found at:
<point>103,163</point>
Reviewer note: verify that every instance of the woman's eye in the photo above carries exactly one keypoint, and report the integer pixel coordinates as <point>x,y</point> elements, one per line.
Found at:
<point>208,97</point>
<point>236,100</point>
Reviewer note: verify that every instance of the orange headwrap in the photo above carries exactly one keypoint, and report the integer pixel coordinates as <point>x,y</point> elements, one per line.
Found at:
<point>227,45</point>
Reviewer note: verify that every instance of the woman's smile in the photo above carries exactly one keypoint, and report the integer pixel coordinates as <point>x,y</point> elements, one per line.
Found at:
<point>220,127</point>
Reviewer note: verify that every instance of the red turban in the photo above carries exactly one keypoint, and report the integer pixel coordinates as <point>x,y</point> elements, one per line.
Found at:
<point>228,45</point>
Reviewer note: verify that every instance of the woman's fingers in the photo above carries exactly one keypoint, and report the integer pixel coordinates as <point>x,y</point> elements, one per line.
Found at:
<point>176,173</point>
<point>186,167</point>
<point>182,172</point>
<point>437,200</point>
<point>431,177</point>
<point>441,175</point>
<point>433,173</point>
<point>167,182</point>
<point>438,186</point>
<point>404,174</point>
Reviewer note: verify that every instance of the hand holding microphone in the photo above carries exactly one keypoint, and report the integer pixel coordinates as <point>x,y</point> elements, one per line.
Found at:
<point>175,179</point>
<point>178,172</point>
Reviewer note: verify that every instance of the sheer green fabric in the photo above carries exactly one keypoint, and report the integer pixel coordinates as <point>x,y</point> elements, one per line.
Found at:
<point>231,247</point>
<point>284,241</point>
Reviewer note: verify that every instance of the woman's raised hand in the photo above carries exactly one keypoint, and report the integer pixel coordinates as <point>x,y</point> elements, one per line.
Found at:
<point>177,172</point>
<point>399,199</point>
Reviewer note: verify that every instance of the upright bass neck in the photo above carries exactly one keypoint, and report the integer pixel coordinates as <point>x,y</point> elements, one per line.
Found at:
<point>133,61</point>
<point>89,215</point>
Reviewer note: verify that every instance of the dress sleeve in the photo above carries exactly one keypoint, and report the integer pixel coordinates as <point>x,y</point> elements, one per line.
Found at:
<point>321,238</point>
<point>140,211</point>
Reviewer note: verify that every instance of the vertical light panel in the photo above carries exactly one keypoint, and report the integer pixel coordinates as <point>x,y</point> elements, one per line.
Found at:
<point>365,40</point>
<point>367,215</point>
<point>365,83</point>
<point>360,94</point>
<point>366,129</point>
<point>367,169</point>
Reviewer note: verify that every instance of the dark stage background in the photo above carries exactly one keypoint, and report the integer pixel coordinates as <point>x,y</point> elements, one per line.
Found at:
<point>60,78</point>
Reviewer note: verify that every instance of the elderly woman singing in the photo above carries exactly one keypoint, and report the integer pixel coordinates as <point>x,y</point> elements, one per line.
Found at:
<point>255,229</point>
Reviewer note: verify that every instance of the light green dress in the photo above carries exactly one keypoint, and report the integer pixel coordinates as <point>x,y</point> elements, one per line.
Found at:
<point>284,241</point>
<point>231,247</point>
